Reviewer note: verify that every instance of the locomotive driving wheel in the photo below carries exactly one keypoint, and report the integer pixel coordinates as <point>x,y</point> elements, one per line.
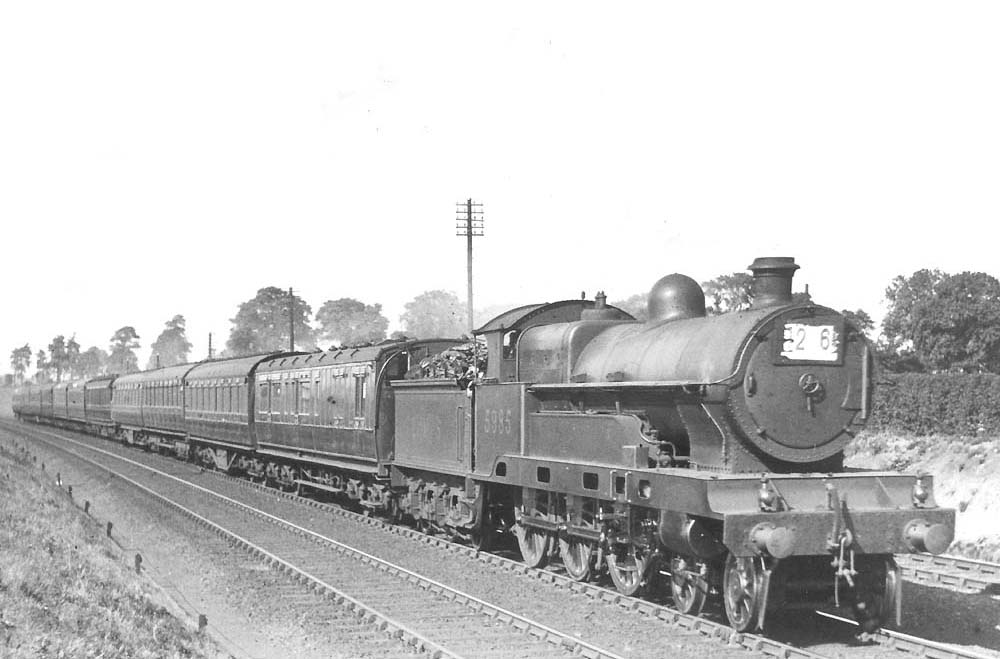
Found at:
<point>577,557</point>
<point>687,585</point>
<point>742,590</point>
<point>627,565</point>
<point>534,545</point>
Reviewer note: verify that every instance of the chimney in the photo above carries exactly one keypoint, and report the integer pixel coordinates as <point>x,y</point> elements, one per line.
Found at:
<point>772,281</point>
<point>600,310</point>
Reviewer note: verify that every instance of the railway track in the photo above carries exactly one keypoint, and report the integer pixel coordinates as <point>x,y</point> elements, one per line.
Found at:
<point>908,644</point>
<point>428,615</point>
<point>711,629</point>
<point>966,575</point>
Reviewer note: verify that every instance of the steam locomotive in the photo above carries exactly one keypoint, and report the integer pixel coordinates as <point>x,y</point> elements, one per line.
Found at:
<point>703,454</point>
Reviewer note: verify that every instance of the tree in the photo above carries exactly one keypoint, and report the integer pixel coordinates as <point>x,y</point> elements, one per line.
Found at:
<point>728,293</point>
<point>171,346</point>
<point>20,360</point>
<point>58,357</point>
<point>637,305</point>
<point>348,322</point>
<point>92,362</point>
<point>123,345</point>
<point>903,296</point>
<point>860,320</point>
<point>945,322</point>
<point>73,357</point>
<point>42,367</point>
<point>261,324</point>
<point>434,314</point>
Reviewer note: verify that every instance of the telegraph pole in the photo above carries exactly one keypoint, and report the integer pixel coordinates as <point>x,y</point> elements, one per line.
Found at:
<point>469,223</point>
<point>291,321</point>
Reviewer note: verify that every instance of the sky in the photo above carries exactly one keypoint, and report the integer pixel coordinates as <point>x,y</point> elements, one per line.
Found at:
<point>173,158</point>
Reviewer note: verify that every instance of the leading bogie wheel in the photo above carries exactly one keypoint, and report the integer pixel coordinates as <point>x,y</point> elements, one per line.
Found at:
<point>627,567</point>
<point>741,591</point>
<point>687,585</point>
<point>577,557</point>
<point>877,600</point>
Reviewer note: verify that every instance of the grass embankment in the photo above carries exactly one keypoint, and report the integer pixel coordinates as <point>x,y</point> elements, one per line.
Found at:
<point>966,474</point>
<point>65,591</point>
<point>5,398</point>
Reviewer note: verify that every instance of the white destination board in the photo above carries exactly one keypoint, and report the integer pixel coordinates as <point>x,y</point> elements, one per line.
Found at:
<point>810,342</point>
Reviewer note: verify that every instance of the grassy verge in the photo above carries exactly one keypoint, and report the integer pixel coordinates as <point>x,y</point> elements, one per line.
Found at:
<point>64,590</point>
<point>5,399</point>
<point>966,474</point>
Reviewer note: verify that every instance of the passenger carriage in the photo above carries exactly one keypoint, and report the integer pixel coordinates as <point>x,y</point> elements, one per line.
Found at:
<point>326,420</point>
<point>219,415</point>
<point>148,407</point>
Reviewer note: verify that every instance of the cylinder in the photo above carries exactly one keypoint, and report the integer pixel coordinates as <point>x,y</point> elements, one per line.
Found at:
<point>688,535</point>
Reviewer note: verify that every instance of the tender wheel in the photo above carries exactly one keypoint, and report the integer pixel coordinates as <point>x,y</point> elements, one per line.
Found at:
<point>577,557</point>
<point>627,566</point>
<point>741,591</point>
<point>483,533</point>
<point>534,545</point>
<point>482,536</point>
<point>687,586</point>
<point>394,510</point>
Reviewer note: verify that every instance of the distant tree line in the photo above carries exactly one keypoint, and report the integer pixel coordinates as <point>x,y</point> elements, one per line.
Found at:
<point>262,324</point>
<point>936,323</point>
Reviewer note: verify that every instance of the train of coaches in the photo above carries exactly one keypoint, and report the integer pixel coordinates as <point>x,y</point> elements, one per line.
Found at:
<point>701,455</point>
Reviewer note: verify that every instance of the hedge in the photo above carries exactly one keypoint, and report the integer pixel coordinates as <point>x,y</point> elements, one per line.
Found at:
<point>924,404</point>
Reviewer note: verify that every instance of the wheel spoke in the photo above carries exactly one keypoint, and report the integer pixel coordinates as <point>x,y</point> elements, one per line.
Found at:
<point>742,601</point>
<point>534,546</point>
<point>577,556</point>
<point>627,566</point>
<point>687,587</point>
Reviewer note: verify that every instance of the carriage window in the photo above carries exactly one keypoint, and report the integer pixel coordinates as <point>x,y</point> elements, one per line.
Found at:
<point>263,399</point>
<point>277,405</point>
<point>305,398</point>
<point>360,394</point>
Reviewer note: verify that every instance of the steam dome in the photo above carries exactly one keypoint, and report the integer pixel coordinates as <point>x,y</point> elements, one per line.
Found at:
<point>675,297</point>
